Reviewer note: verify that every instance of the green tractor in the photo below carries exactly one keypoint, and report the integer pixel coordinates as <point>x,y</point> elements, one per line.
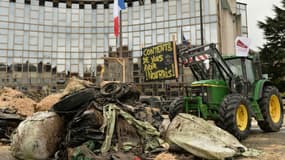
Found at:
<point>229,91</point>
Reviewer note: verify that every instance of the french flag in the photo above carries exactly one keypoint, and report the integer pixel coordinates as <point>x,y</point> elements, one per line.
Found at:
<point>118,5</point>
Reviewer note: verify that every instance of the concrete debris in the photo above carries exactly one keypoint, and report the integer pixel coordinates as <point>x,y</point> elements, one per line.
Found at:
<point>37,137</point>
<point>202,139</point>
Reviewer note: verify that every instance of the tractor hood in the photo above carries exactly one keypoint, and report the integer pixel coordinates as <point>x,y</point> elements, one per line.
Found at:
<point>209,83</point>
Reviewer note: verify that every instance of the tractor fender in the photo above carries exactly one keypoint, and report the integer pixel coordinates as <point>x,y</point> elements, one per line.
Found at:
<point>258,89</point>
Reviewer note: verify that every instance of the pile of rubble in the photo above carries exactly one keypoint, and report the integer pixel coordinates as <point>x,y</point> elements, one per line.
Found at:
<point>96,120</point>
<point>87,122</point>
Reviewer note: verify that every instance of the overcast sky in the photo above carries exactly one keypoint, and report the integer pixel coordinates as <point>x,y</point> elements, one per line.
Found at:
<point>258,10</point>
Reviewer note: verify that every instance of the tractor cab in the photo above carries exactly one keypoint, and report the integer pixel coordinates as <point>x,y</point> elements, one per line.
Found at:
<point>244,68</point>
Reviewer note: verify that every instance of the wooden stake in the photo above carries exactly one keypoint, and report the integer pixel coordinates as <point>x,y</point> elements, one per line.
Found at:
<point>175,55</point>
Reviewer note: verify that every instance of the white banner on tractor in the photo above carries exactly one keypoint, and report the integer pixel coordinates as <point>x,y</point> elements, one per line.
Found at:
<point>242,46</point>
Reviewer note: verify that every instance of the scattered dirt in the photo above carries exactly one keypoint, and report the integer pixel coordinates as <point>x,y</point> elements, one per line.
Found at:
<point>163,156</point>
<point>36,95</point>
<point>272,145</point>
<point>5,153</point>
<point>46,103</point>
<point>10,98</point>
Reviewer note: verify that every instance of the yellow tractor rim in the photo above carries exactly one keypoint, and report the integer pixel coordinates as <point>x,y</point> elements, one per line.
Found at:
<point>241,117</point>
<point>274,109</point>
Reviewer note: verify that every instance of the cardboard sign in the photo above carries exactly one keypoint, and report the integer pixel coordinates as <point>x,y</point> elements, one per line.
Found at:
<point>242,46</point>
<point>159,62</point>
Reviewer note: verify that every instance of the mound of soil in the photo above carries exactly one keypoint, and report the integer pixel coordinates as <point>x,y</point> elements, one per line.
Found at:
<point>10,98</point>
<point>46,103</point>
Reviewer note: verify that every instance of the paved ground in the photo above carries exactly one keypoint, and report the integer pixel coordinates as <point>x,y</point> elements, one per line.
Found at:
<point>5,153</point>
<point>271,144</point>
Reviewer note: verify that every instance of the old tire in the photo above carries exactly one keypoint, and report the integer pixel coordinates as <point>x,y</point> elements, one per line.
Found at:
<point>74,102</point>
<point>272,110</point>
<point>111,89</point>
<point>176,107</point>
<point>235,116</point>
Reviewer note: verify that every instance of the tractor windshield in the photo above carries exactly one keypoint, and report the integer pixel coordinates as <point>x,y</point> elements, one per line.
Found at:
<point>235,66</point>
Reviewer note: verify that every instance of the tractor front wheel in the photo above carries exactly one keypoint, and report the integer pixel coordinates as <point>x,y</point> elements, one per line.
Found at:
<point>235,116</point>
<point>176,107</point>
<point>272,110</point>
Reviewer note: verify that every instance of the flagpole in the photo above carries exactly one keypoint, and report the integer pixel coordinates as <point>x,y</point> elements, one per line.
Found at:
<point>121,48</point>
<point>120,34</point>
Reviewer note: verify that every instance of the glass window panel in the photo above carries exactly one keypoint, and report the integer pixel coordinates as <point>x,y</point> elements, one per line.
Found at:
<point>19,12</point>
<point>25,54</point>
<point>3,38</point>
<point>61,55</point>
<point>243,18</point>
<point>207,33</point>
<point>159,12</point>
<point>33,54</point>
<point>4,25</point>
<point>19,39</point>
<point>213,8</point>
<point>3,53</point>
<point>33,40</point>
<point>148,26</point>
<point>60,61</point>
<point>148,39</point>
<point>74,61</point>
<point>61,49</point>
<point>60,68</point>
<point>3,45</point>
<point>136,41</point>
<point>74,42</point>
<point>19,26</point>
<point>160,38</point>
<point>100,49</point>
<point>214,36</point>
<point>4,11</point>
<point>87,42</point>
<point>172,10</point>
<point>74,49</point>
<point>48,42</point>
<point>213,18</point>
<point>34,14</point>
<point>47,48</point>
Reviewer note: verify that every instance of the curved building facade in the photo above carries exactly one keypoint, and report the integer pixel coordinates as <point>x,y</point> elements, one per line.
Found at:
<point>41,42</point>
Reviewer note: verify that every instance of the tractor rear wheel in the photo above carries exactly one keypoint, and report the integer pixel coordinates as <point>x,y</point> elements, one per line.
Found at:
<point>272,110</point>
<point>176,107</point>
<point>235,116</point>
